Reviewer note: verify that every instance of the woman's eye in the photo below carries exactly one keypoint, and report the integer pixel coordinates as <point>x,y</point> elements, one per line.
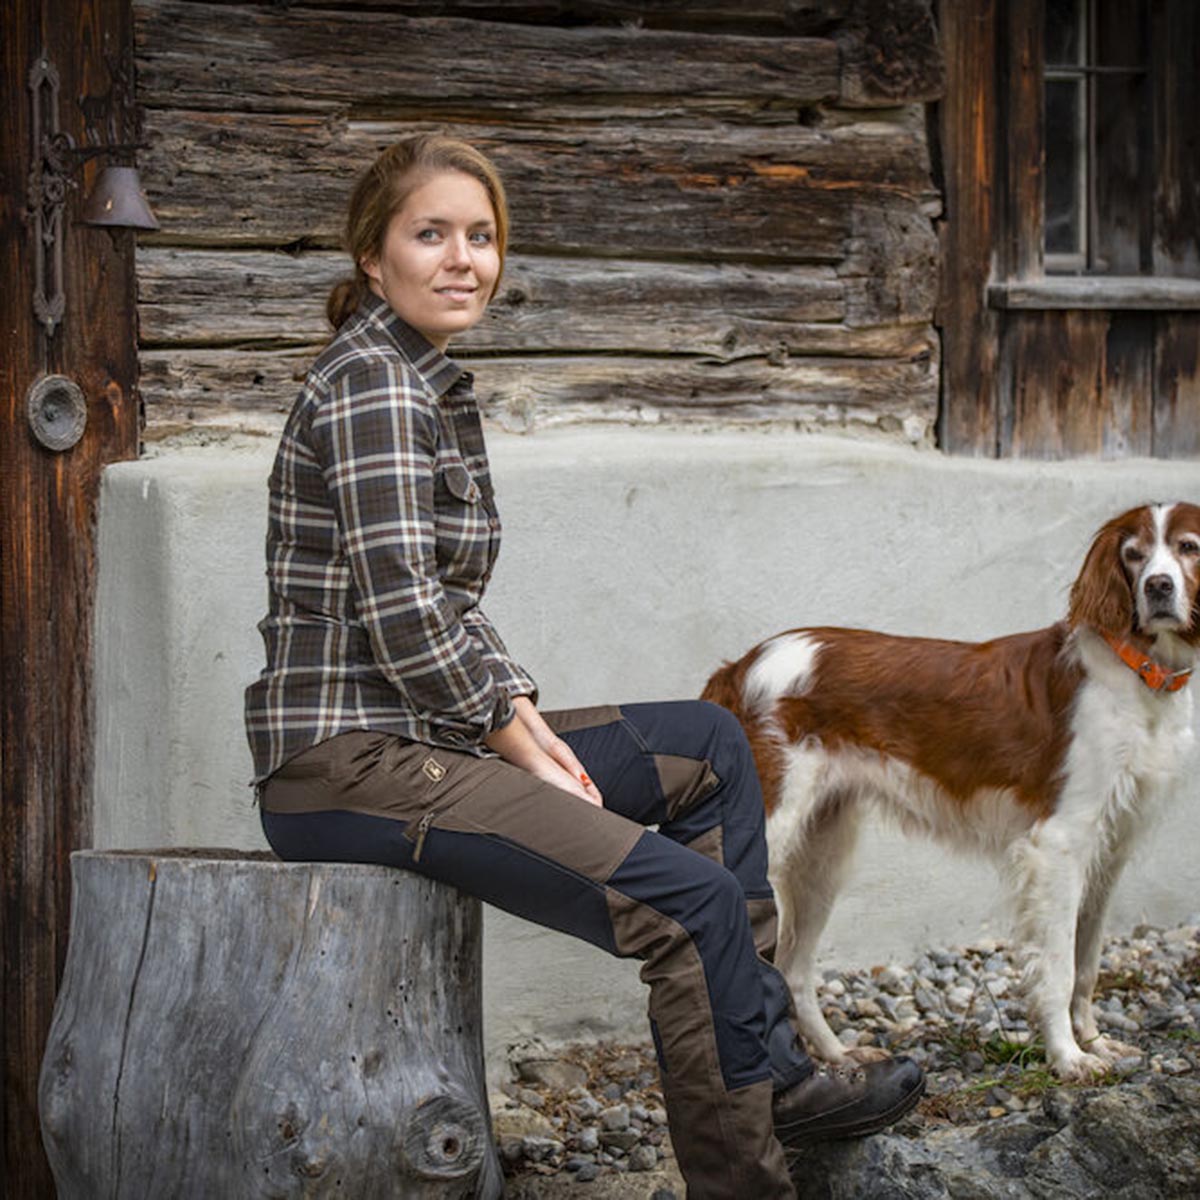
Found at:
<point>481,238</point>
<point>427,235</point>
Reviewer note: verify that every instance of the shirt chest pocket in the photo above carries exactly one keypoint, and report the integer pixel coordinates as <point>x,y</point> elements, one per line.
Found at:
<point>466,527</point>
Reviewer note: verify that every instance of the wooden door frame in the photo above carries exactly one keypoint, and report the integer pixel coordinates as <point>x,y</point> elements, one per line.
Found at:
<point>48,509</point>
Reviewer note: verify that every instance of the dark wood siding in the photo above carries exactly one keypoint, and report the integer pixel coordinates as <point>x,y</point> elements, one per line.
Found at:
<point>720,214</point>
<point>1054,366</point>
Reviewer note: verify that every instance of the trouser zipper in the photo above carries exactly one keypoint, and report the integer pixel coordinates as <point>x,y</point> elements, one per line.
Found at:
<point>425,824</point>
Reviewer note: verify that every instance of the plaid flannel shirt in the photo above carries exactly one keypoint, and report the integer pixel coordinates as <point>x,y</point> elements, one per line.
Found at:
<point>381,537</point>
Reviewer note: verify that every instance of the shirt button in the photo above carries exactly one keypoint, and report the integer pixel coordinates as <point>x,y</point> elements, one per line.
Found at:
<point>493,522</point>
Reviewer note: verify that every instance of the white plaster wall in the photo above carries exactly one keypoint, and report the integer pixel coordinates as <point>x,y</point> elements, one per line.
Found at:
<point>634,562</point>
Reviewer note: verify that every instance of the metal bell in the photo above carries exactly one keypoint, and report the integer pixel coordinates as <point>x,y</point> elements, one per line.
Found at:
<point>118,200</point>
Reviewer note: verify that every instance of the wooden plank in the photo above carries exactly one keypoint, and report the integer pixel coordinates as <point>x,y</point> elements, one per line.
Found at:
<point>752,194</point>
<point>233,390</point>
<point>1140,293</point>
<point>47,522</point>
<point>797,17</point>
<point>1174,54</point>
<point>890,54</point>
<point>192,55</point>
<point>260,298</point>
<point>1177,385</point>
<point>1128,396</point>
<point>967,129</point>
<point>1074,385</point>
<point>1023,144</point>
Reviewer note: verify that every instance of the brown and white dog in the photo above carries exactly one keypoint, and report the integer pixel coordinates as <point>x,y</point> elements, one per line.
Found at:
<point>1047,750</point>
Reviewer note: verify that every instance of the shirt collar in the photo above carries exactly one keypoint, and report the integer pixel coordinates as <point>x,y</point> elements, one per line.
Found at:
<point>438,371</point>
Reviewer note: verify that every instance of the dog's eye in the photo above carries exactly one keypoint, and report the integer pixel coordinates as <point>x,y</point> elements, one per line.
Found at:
<point>1133,554</point>
<point>1189,546</point>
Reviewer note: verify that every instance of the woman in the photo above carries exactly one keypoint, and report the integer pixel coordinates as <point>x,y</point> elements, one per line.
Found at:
<point>391,725</point>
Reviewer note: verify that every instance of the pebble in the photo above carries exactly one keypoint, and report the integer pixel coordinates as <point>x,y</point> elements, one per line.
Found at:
<point>956,1010</point>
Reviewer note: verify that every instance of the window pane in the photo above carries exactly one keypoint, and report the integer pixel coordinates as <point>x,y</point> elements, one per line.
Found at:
<point>1064,32</point>
<point>1064,166</point>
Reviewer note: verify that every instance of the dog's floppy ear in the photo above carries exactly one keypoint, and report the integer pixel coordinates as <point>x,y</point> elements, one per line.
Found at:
<point>1101,597</point>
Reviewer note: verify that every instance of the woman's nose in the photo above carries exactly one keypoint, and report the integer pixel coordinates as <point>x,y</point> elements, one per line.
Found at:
<point>457,251</point>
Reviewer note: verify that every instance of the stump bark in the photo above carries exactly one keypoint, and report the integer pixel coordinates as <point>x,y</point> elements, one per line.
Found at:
<point>231,1025</point>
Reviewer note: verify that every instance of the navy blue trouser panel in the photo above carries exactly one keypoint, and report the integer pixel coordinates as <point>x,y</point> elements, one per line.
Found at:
<point>629,781</point>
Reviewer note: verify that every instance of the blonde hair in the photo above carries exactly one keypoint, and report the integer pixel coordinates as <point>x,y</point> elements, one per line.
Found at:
<point>380,193</point>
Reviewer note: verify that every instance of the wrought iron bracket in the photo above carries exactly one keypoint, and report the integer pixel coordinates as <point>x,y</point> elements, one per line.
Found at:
<point>49,179</point>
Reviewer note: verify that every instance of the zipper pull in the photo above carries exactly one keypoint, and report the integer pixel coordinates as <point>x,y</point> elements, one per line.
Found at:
<point>422,829</point>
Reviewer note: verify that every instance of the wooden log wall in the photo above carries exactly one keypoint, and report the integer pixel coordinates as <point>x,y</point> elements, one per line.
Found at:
<point>721,212</point>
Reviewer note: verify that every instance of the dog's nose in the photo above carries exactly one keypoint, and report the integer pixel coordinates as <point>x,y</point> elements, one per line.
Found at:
<point>1160,587</point>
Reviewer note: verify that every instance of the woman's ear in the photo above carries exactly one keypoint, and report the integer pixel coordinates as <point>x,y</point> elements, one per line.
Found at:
<point>369,266</point>
<point>1101,597</point>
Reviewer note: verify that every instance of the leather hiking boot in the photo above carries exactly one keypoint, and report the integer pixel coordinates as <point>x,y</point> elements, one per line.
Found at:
<point>846,1102</point>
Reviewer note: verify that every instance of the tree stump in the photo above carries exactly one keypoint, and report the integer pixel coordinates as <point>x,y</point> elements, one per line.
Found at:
<point>234,1026</point>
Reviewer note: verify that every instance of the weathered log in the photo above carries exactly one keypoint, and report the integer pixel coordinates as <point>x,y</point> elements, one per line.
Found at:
<point>898,397</point>
<point>775,193</point>
<point>807,17</point>
<point>264,59</point>
<point>263,299</point>
<point>230,1025</point>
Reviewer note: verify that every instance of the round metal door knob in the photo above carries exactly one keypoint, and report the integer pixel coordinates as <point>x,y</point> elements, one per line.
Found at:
<point>57,411</point>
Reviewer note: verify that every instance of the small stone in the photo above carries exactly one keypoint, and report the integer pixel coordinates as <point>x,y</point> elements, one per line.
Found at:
<point>834,988</point>
<point>624,1066</point>
<point>588,1139</point>
<point>612,1091</point>
<point>576,1161</point>
<point>1175,1066</point>
<point>642,1158</point>
<point>552,1073</point>
<point>658,1116</point>
<point>536,1149</point>
<point>616,1117</point>
<point>926,1000</point>
<point>974,1061</point>
<point>959,998</point>
<point>587,1173</point>
<point>623,1140</point>
<point>996,1111</point>
<point>663,1194</point>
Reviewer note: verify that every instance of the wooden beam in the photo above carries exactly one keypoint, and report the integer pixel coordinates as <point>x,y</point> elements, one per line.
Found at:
<point>47,523</point>
<point>753,194</point>
<point>201,56</point>
<point>968,137</point>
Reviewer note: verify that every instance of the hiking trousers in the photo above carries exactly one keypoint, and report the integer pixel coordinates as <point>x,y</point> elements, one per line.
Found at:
<point>690,899</point>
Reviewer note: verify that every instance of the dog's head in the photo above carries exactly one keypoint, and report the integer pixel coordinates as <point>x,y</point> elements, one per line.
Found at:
<point>1142,574</point>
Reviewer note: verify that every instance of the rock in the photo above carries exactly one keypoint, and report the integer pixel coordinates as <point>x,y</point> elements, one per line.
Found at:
<point>616,1117</point>
<point>1135,1140</point>
<point>587,1173</point>
<point>588,1140</point>
<point>620,1139</point>
<point>520,1123</point>
<point>643,1158</point>
<point>552,1073</point>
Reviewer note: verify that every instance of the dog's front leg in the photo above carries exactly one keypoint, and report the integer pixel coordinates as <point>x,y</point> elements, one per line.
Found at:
<point>1088,941</point>
<point>1049,880</point>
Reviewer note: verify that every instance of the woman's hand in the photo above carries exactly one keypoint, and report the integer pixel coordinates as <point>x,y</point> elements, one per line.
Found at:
<point>517,744</point>
<point>554,746</point>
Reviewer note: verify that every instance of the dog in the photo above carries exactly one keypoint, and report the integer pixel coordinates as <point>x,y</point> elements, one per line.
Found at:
<point>1046,750</point>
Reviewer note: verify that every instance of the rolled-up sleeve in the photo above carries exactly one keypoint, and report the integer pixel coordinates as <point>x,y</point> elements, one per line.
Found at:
<point>375,436</point>
<point>509,674</point>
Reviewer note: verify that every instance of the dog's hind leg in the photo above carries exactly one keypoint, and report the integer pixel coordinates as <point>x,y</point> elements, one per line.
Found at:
<point>809,865</point>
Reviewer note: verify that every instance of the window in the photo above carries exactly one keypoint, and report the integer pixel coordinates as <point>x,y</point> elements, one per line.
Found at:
<point>1099,138</point>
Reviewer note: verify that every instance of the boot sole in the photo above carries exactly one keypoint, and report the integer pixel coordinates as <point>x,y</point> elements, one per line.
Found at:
<point>856,1129</point>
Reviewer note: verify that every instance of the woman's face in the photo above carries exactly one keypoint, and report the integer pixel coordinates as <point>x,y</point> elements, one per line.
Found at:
<point>440,261</point>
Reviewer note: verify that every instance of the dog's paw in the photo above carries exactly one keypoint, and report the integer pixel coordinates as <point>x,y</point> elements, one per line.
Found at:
<point>867,1054</point>
<point>1112,1051</point>
<point>1079,1067</point>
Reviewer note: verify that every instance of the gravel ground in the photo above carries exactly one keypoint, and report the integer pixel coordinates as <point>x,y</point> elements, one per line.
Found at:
<point>589,1120</point>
